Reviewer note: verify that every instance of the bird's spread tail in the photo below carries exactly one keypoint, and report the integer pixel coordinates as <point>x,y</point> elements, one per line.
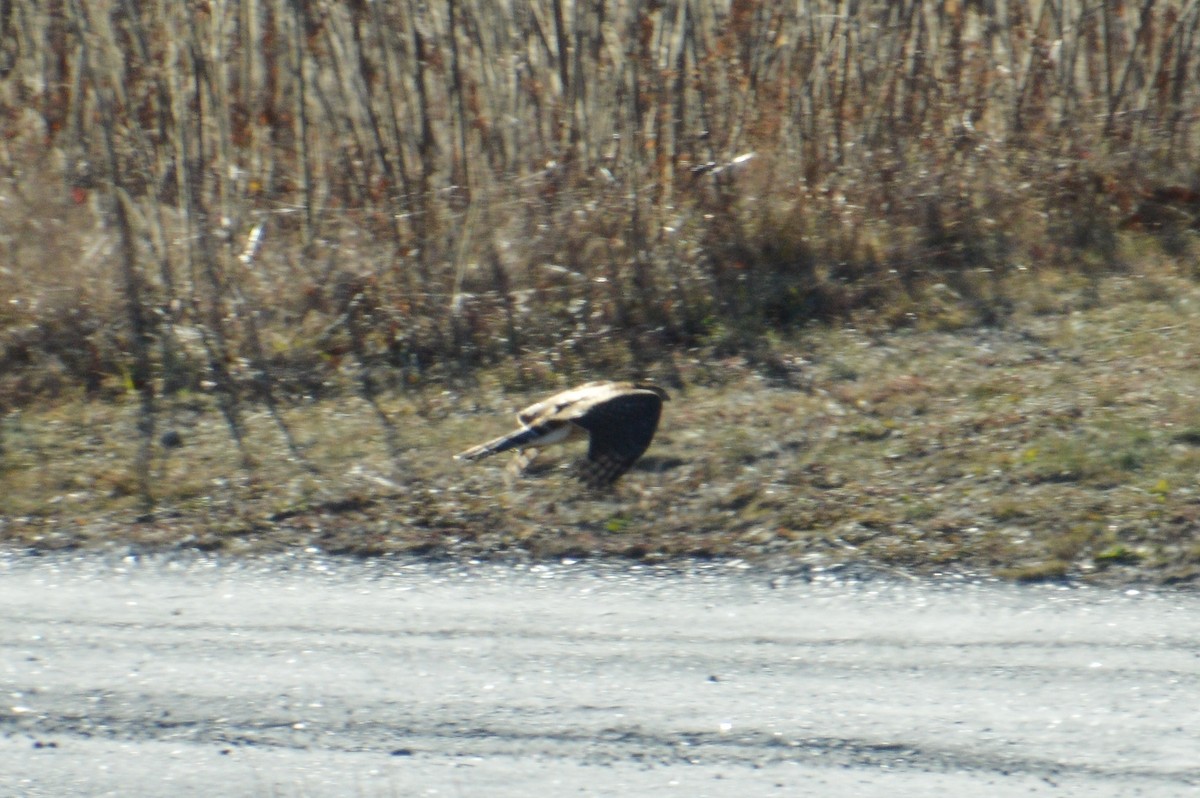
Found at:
<point>501,444</point>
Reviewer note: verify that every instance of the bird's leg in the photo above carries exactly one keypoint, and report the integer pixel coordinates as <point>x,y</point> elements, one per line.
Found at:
<point>520,462</point>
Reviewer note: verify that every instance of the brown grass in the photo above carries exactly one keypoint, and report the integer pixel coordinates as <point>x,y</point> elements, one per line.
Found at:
<point>243,206</point>
<point>1063,448</point>
<point>568,183</point>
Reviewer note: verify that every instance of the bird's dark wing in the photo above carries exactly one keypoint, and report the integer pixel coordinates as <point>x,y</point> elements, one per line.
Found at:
<point>620,430</point>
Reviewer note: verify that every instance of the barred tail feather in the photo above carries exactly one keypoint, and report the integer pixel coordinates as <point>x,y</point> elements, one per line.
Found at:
<point>502,444</point>
<point>540,435</point>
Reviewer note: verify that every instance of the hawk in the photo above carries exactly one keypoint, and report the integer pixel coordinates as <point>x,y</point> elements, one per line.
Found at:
<point>619,419</point>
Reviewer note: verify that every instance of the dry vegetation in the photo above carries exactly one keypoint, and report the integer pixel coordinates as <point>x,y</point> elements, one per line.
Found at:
<point>299,236</point>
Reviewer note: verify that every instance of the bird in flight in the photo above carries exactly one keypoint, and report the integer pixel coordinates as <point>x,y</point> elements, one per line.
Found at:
<point>619,418</point>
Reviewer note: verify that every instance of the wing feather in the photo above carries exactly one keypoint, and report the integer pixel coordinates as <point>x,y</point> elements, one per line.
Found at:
<point>620,431</point>
<point>570,402</point>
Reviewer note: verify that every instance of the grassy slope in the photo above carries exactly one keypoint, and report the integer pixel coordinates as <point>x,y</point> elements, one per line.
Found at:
<point>1065,444</point>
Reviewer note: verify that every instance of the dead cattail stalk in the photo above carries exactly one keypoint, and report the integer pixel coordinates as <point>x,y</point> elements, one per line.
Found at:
<point>203,254</point>
<point>300,27</point>
<point>97,73</point>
